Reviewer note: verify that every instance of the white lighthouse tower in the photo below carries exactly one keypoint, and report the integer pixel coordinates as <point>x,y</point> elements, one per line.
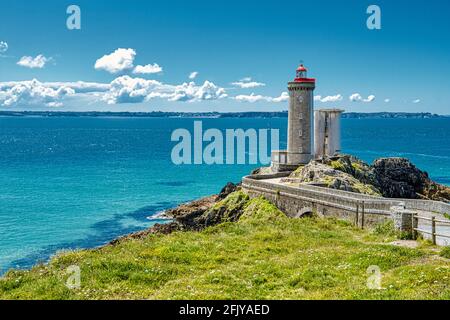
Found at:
<point>300,124</point>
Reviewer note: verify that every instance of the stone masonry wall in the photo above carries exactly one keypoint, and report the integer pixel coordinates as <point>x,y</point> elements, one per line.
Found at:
<point>297,201</point>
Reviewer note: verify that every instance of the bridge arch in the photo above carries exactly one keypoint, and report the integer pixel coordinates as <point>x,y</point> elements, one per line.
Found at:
<point>305,212</point>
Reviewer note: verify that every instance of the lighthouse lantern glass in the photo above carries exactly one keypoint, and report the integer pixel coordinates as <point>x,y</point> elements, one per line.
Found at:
<point>301,74</point>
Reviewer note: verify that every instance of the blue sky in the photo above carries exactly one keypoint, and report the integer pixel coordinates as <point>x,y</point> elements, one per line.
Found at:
<point>244,53</point>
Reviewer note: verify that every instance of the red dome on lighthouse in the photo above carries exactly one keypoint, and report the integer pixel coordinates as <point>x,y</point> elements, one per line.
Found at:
<point>301,75</point>
<point>302,68</point>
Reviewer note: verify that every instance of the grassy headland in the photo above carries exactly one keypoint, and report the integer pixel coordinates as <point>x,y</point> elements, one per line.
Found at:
<point>264,255</point>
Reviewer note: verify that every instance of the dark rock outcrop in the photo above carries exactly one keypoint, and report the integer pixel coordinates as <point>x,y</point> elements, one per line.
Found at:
<point>399,178</point>
<point>194,208</point>
<point>208,211</point>
<point>227,210</point>
<point>230,187</point>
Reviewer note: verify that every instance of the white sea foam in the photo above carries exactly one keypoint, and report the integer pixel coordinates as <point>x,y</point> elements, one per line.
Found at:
<point>159,215</point>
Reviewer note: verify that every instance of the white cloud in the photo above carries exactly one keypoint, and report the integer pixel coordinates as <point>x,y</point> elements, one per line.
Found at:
<point>118,61</point>
<point>193,75</point>
<point>252,98</point>
<point>126,89</point>
<point>81,87</point>
<point>334,98</point>
<point>37,62</point>
<point>416,101</point>
<point>191,92</point>
<point>3,46</point>
<point>26,93</point>
<point>247,83</point>
<point>148,69</point>
<point>356,97</point>
<point>387,100</point>
<point>283,97</point>
<point>78,87</point>
<point>370,98</point>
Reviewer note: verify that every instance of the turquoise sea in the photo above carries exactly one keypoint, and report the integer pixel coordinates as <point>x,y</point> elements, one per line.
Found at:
<point>68,183</point>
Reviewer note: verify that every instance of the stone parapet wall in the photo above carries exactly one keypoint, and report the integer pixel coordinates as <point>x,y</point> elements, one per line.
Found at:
<point>427,205</point>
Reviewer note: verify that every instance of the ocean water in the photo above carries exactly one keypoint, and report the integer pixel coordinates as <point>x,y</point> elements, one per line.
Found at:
<point>68,183</point>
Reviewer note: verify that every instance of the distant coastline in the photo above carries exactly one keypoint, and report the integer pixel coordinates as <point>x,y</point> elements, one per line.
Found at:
<point>261,114</point>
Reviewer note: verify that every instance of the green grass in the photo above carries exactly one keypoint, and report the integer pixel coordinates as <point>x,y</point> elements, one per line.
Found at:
<point>263,256</point>
<point>388,230</point>
<point>445,252</point>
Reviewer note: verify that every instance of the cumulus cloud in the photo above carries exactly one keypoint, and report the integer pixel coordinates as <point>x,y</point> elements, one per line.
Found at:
<point>50,94</point>
<point>416,101</point>
<point>334,98</point>
<point>78,87</point>
<point>252,98</point>
<point>32,92</point>
<point>148,69</point>
<point>191,92</point>
<point>126,89</point>
<point>369,98</point>
<point>387,100</point>
<point>356,97</point>
<point>247,83</point>
<point>3,47</point>
<point>118,61</point>
<point>37,62</point>
<point>282,98</point>
<point>193,75</point>
<point>81,87</point>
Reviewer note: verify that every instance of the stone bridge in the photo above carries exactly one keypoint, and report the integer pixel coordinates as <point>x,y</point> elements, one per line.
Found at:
<point>300,200</point>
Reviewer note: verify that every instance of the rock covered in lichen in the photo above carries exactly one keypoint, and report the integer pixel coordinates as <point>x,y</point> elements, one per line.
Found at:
<point>354,167</point>
<point>321,174</point>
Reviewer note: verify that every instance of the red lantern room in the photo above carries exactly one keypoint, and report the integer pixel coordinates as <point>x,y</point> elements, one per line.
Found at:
<point>301,75</point>
<point>301,71</point>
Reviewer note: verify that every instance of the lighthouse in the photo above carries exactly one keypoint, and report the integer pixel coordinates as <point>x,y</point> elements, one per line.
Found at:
<point>301,118</point>
<point>300,124</point>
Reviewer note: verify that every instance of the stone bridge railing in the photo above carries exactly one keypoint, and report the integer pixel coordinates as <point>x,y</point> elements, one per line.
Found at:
<point>362,209</point>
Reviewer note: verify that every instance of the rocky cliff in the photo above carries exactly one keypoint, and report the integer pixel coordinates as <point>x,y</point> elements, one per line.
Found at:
<point>399,178</point>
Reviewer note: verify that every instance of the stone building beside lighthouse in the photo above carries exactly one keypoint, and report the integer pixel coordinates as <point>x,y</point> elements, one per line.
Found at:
<point>304,142</point>
<point>300,124</point>
<point>327,133</point>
